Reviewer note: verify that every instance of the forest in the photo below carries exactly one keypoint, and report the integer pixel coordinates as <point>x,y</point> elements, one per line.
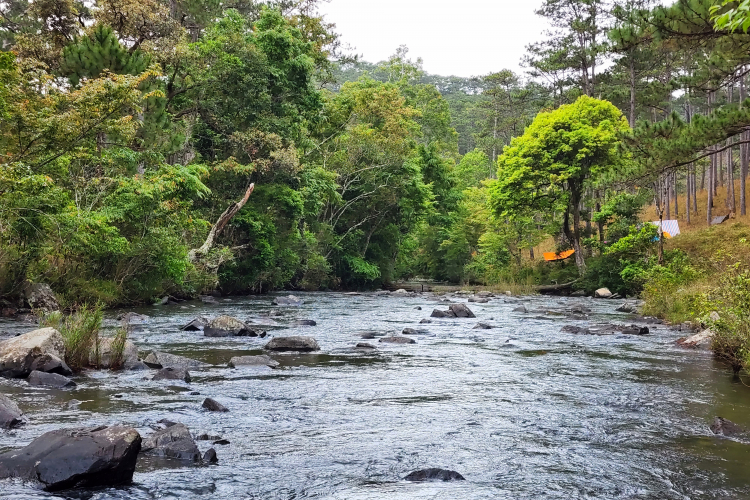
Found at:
<point>176,147</point>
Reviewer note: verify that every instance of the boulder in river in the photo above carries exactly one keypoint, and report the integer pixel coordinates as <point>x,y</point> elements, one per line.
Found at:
<point>10,415</point>
<point>434,475</point>
<point>299,344</point>
<point>158,360</point>
<point>461,311</point>
<point>41,349</point>
<point>263,360</point>
<point>213,405</point>
<point>365,345</point>
<point>634,330</point>
<point>172,374</point>
<point>482,326</point>
<point>626,308</point>
<point>173,442</point>
<point>520,309</point>
<point>128,360</point>
<point>723,427</point>
<point>305,322</point>
<point>210,456</point>
<point>70,458</point>
<point>702,339</point>
<point>40,297</point>
<point>398,340</point>
<point>577,330</point>
<point>479,300</point>
<point>289,300</point>
<point>54,380</point>
<point>425,321</point>
<point>603,293</point>
<point>437,313</point>
<point>409,331</point>
<point>196,325</point>
<point>227,326</point>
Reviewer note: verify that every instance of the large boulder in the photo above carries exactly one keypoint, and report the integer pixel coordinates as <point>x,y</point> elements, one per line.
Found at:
<point>241,361</point>
<point>434,475</point>
<point>213,405</point>
<point>461,311</point>
<point>41,349</point>
<point>723,427</point>
<point>54,380</point>
<point>107,346</point>
<point>69,458</point>
<point>299,344</point>
<point>437,313</point>
<point>702,339</point>
<point>227,326</point>
<point>172,374</point>
<point>289,300</point>
<point>159,360</point>
<point>10,415</point>
<point>173,442</point>
<point>198,324</point>
<point>40,297</point>
<point>603,293</point>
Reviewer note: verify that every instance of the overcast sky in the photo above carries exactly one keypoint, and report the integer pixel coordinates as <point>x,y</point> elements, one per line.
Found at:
<point>457,37</point>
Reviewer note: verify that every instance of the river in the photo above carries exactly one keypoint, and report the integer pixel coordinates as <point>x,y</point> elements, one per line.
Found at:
<point>522,411</point>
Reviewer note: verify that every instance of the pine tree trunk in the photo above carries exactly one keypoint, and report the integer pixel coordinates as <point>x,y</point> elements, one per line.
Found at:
<point>744,153</point>
<point>688,187</point>
<point>674,192</point>
<point>665,197</point>
<point>710,199</point>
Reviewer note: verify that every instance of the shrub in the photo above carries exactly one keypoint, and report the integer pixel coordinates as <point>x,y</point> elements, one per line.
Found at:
<point>118,349</point>
<point>80,332</point>
<point>731,300</point>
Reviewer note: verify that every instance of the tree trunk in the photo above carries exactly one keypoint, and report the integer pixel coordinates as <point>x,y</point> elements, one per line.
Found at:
<point>632,90</point>
<point>674,193</point>
<point>744,153</point>
<point>197,253</point>
<point>710,199</point>
<point>688,187</point>
<point>665,195</point>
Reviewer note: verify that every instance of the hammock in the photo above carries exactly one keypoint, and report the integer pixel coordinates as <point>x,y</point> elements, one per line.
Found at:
<point>552,256</point>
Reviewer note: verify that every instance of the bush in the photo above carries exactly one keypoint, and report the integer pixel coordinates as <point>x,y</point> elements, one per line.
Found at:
<point>118,349</point>
<point>80,332</point>
<point>731,300</point>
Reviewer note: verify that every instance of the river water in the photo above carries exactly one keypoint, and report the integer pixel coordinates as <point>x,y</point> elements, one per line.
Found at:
<point>522,411</point>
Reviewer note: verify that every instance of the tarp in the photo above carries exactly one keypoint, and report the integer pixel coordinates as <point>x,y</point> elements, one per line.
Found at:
<point>550,256</point>
<point>719,220</point>
<point>671,228</point>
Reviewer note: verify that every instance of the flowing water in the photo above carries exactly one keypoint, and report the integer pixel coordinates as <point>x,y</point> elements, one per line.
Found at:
<point>522,411</point>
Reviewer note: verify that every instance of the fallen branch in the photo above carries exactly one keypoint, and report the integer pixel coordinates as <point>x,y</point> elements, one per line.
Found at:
<point>556,288</point>
<point>224,219</point>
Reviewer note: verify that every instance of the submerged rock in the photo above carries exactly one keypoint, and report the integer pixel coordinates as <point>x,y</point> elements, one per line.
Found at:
<point>210,456</point>
<point>299,344</point>
<point>577,330</point>
<point>434,475</point>
<point>227,326</point>
<point>425,321</point>
<point>365,345</point>
<point>305,322</point>
<point>173,442</point>
<point>197,325</point>
<point>158,360</point>
<point>10,414</point>
<point>398,340</point>
<point>70,458</point>
<point>520,309</point>
<point>289,300</point>
<point>409,331</point>
<point>482,326</point>
<point>479,300</point>
<point>213,405</point>
<point>263,360</point>
<point>172,374</point>
<point>723,427</point>
<point>42,350</point>
<point>54,380</point>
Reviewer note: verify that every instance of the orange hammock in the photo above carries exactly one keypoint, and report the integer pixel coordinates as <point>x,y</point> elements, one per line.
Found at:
<point>550,256</point>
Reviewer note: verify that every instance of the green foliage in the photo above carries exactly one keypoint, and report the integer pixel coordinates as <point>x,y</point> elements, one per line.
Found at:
<point>734,18</point>
<point>80,332</point>
<point>731,300</point>
<point>117,348</point>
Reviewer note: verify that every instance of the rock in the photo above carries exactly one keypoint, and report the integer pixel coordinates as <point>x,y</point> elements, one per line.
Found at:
<point>18,354</point>
<point>239,361</point>
<point>39,296</point>
<point>688,326</point>
<point>509,293</point>
<point>305,322</point>
<point>222,442</point>
<point>129,354</point>
<point>400,291</point>
<point>425,321</point>
<point>207,437</point>
<point>626,308</point>
<point>227,326</point>
<point>479,300</point>
<point>289,300</point>
<point>208,299</point>
<point>10,415</point>
<point>210,456</point>
<point>158,360</point>
<point>434,475</point>
<point>172,374</point>
<point>578,293</point>
<point>197,325</point>
<point>520,309</point>
<point>70,458</point>
<point>367,335</point>
<point>173,442</point>
<point>461,311</point>
<point>482,326</point>
<point>723,427</point>
<point>442,314</point>
<point>714,316</point>
<point>485,294</point>
<point>603,293</point>
<point>365,345</point>
<point>162,301</point>
<point>300,344</point>
<point>8,312</point>
<point>213,405</point>
<point>649,320</point>
<point>418,308</point>
<point>579,309</point>
<point>635,330</point>
<point>131,319</point>
<point>398,340</point>
<point>577,330</point>
<point>702,339</point>
<point>409,331</point>
<point>54,380</point>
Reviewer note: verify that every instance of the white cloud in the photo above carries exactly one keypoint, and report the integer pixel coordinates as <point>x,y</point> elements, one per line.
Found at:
<point>464,38</point>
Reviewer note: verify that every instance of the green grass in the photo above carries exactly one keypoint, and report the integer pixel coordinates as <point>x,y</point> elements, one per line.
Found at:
<point>80,332</point>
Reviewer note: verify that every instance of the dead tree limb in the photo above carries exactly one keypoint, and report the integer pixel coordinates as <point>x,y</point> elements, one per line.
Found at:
<point>196,253</point>
<point>556,288</point>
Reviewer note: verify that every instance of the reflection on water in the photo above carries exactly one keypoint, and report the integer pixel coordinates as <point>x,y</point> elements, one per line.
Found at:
<point>522,410</point>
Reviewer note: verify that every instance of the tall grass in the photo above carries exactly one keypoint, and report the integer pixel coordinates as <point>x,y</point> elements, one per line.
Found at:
<point>117,348</point>
<point>80,332</point>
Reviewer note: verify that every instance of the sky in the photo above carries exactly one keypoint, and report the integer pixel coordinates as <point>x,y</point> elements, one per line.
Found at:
<point>457,37</point>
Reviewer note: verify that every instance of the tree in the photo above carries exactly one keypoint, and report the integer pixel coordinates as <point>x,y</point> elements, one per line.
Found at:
<point>561,155</point>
